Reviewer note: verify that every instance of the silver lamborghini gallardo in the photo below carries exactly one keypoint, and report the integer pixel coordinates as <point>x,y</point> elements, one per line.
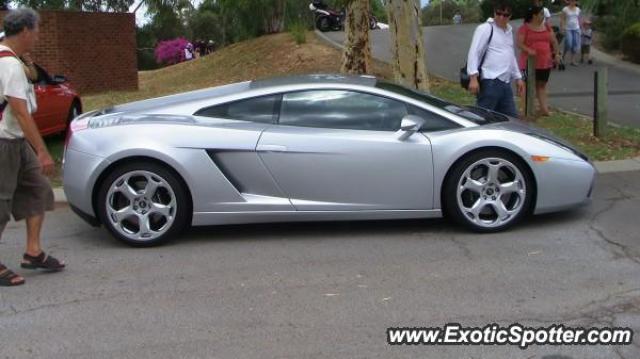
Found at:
<point>311,148</point>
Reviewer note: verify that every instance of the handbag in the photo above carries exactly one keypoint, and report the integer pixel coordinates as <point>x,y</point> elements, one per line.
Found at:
<point>464,75</point>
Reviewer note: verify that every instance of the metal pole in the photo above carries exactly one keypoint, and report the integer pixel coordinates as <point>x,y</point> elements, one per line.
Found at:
<point>441,2</point>
<point>530,107</point>
<point>600,100</point>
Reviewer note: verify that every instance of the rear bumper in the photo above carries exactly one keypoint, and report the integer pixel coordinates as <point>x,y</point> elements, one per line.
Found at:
<point>93,221</point>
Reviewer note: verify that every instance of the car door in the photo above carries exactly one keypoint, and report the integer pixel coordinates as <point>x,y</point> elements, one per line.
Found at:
<point>336,150</point>
<point>233,152</point>
<point>52,110</point>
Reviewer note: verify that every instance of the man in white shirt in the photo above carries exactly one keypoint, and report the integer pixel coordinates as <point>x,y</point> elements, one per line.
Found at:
<point>492,64</point>
<point>25,192</point>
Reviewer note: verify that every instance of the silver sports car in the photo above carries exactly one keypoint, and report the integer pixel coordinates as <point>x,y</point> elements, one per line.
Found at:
<point>310,148</point>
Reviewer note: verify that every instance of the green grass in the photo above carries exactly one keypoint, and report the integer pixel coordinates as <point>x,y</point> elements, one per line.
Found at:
<point>299,32</point>
<point>55,144</point>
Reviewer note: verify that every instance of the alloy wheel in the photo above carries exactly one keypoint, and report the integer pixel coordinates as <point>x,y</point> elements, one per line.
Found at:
<point>141,205</point>
<point>491,192</point>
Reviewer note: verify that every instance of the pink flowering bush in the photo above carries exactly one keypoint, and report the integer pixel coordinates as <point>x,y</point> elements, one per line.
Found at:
<point>170,52</point>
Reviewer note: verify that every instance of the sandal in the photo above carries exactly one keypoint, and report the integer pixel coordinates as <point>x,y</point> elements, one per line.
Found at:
<point>42,261</point>
<point>7,277</point>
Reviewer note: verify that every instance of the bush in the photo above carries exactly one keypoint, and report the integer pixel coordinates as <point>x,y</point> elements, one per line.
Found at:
<point>170,52</point>
<point>631,42</point>
<point>299,32</point>
<point>146,60</point>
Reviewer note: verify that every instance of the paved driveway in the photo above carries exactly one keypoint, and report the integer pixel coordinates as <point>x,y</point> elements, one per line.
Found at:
<point>328,290</point>
<point>447,46</point>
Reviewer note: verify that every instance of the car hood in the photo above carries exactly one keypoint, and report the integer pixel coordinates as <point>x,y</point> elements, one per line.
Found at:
<point>526,128</point>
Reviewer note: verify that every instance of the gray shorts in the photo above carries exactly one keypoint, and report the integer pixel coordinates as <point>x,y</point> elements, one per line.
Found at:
<point>24,191</point>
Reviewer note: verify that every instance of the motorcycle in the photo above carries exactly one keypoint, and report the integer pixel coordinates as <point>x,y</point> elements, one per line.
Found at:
<point>327,19</point>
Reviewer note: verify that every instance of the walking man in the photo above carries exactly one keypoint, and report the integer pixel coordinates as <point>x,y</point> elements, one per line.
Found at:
<point>25,192</point>
<point>492,64</point>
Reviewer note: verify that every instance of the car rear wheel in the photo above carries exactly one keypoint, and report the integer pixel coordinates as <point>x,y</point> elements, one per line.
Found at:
<point>143,204</point>
<point>488,191</point>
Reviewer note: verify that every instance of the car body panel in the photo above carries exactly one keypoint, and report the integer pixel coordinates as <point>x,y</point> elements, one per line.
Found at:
<point>243,172</point>
<point>55,101</point>
<point>335,169</point>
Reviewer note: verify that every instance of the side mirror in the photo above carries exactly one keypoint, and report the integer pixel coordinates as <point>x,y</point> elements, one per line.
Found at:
<point>410,124</point>
<point>58,79</point>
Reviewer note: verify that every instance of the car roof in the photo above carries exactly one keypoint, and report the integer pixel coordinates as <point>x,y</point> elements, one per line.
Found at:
<point>362,80</point>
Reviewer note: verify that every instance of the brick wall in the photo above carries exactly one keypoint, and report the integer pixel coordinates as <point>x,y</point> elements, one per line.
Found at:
<point>95,51</point>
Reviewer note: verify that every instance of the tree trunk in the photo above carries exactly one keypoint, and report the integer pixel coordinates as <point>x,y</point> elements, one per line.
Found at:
<point>356,58</point>
<point>407,46</point>
<point>274,19</point>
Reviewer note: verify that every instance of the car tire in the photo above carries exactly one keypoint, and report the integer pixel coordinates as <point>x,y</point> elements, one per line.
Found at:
<point>136,217</point>
<point>323,23</point>
<point>74,112</point>
<point>488,191</point>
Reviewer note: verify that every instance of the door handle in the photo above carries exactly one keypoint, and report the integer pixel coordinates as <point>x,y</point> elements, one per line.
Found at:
<point>271,148</point>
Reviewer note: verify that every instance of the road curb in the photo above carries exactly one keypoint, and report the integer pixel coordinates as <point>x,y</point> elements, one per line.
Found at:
<point>604,58</point>
<point>59,196</point>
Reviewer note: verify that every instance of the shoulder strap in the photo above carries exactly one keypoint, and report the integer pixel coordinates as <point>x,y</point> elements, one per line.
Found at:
<point>3,103</point>
<point>6,53</point>
<point>486,49</point>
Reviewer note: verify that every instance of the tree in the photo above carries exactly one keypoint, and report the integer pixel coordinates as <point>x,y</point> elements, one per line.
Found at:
<point>356,58</point>
<point>407,46</point>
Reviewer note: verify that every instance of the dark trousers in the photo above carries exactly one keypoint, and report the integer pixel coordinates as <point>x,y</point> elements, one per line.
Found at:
<point>497,95</point>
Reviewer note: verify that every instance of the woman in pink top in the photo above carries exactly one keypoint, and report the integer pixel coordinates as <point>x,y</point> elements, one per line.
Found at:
<point>536,38</point>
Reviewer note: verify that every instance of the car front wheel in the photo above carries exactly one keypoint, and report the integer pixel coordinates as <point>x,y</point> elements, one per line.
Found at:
<point>488,191</point>
<point>143,204</point>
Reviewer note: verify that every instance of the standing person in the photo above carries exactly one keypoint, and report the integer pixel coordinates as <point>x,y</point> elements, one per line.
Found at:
<point>547,13</point>
<point>585,49</point>
<point>457,18</point>
<point>492,65</point>
<point>25,192</point>
<point>570,26</point>
<point>188,52</point>
<point>536,38</point>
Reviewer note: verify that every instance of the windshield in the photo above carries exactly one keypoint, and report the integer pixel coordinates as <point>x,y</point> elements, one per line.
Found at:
<point>474,114</point>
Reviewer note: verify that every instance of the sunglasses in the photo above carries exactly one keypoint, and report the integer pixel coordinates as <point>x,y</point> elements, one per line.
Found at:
<point>503,13</point>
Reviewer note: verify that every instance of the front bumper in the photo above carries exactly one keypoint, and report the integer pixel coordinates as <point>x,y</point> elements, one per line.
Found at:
<point>563,184</point>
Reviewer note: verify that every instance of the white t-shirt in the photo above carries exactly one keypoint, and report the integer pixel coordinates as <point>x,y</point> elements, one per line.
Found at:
<point>573,18</point>
<point>13,83</point>
<point>547,16</point>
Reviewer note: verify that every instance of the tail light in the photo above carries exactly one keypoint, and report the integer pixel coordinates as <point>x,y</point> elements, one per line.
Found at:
<point>75,126</point>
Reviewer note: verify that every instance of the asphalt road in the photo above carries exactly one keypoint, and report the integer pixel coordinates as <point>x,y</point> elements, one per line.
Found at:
<point>446,51</point>
<point>328,290</point>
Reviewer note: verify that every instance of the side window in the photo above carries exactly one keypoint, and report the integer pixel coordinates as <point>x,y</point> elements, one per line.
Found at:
<point>257,109</point>
<point>341,110</point>
<point>433,122</point>
<point>43,76</point>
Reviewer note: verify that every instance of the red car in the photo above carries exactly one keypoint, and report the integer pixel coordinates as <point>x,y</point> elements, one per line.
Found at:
<point>58,103</point>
